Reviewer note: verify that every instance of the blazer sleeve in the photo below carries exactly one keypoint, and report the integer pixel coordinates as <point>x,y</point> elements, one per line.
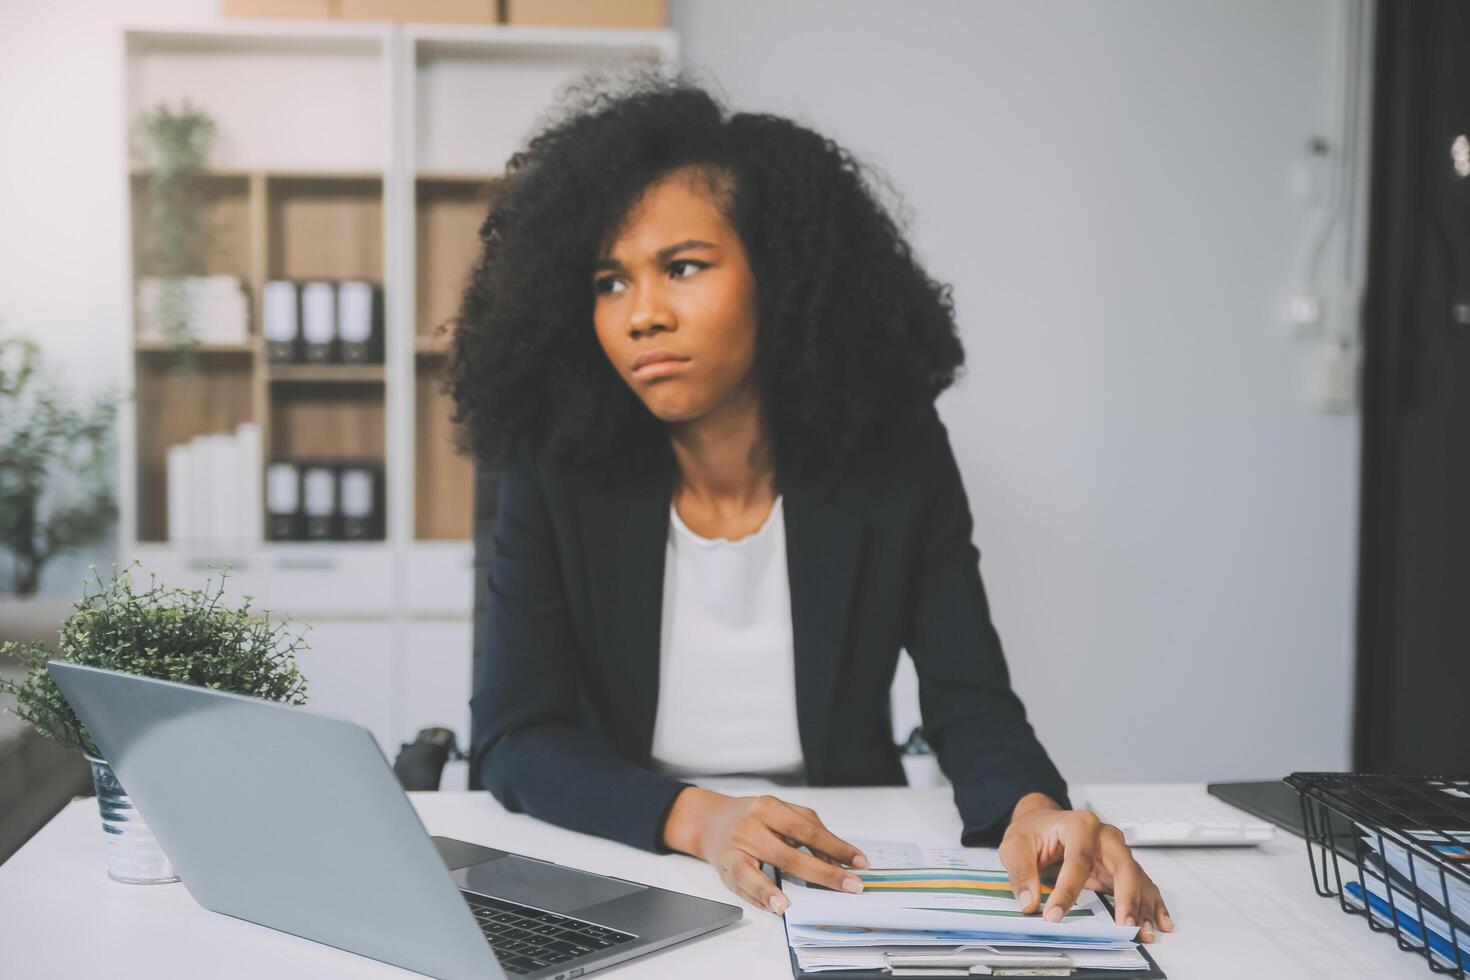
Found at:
<point>973,720</point>
<point>532,748</point>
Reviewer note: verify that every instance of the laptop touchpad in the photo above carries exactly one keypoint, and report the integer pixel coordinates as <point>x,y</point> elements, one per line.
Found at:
<point>540,883</point>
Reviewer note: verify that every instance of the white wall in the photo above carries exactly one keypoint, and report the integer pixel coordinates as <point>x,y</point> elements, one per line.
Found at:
<point>1167,531</point>
<point>63,174</point>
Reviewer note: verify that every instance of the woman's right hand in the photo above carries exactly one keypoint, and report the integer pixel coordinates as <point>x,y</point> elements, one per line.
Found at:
<point>735,834</point>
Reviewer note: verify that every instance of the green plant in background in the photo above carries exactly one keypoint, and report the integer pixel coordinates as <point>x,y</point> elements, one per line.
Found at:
<point>55,464</point>
<point>183,635</point>
<point>174,146</point>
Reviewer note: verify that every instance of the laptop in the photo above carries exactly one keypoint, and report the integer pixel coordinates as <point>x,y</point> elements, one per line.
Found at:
<point>295,821</point>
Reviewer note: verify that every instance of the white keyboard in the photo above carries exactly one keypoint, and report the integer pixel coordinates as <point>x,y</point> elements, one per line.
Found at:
<point>1173,815</point>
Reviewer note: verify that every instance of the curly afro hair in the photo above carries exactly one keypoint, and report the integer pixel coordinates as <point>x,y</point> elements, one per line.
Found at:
<point>854,341</point>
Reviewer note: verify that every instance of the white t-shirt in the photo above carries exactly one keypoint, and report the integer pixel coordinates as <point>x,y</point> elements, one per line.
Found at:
<point>727,669</point>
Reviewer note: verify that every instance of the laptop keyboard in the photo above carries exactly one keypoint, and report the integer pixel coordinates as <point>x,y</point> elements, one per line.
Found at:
<point>526,940</point>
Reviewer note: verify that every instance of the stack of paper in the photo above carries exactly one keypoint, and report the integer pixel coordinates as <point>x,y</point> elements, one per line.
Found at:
<point>211,308</point>
<point>1421,898</point>
<point>214,488</point>
<point>932,898</point>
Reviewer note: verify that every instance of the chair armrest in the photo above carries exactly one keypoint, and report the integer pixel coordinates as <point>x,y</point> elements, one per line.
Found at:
<point>420,763</point>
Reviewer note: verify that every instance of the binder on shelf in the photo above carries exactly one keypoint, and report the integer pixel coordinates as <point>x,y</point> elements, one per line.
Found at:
<point>319,322</point>
<point>281,326</point>
<point>283,502</point>
<point>319,502</point>
<point>360,494</point>
<point>360,322</point>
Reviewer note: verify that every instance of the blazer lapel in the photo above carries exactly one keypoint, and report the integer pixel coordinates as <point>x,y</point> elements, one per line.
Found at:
<point>824,540</point>
<point>624,530</point>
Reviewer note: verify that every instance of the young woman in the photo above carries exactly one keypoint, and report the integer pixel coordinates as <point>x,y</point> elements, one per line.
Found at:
<point>708,359</point>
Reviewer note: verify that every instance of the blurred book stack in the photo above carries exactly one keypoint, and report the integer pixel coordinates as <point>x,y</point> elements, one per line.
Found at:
<point>214,488</point>
<point>212,309</point>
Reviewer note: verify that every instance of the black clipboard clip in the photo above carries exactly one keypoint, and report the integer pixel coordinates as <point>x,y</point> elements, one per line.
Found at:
<point>977,961</point>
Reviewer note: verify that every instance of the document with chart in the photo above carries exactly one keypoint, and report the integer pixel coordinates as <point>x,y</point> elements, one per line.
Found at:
<point>913,885</point>
<point>918,894</point>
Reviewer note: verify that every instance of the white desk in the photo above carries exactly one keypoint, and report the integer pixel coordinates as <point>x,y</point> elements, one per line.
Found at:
<point>1240,913</point>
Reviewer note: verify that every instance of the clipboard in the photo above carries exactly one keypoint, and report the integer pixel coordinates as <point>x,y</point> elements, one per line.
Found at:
<point>1152,972</point>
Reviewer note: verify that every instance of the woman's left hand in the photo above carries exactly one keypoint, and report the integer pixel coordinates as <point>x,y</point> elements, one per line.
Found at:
<point>1093,855</point>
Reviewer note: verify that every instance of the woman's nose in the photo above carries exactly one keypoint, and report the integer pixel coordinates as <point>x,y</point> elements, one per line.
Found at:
<point>650,313</point>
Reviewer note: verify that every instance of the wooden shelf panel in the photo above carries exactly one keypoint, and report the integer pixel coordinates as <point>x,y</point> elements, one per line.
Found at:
<point>164,348</point>
<point>325,373</point>
<point>449,209</point>
<point>443,479</point>
<point>337,421</point>
<point>447,219</point>
<point>287,173</point>
<point>324,227</point>
<point>222,200</point>
<point>174,406</point>
<point>457,177</point>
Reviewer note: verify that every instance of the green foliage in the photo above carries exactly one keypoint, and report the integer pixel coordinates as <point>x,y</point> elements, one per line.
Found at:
<point>174,634</point>
<point>55,464</point>
<point>174,145</point>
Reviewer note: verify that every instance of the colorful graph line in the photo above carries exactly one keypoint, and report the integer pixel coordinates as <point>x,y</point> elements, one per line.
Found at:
<point>944,881</point>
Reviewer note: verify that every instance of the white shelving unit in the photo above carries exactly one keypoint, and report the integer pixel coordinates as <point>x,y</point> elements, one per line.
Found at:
<point>433,110</point>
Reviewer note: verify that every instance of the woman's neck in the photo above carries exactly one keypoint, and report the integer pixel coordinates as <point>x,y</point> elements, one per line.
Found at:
<point>725,460</point>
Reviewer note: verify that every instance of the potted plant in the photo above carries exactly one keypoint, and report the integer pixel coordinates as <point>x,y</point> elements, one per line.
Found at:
<point>173,147</point>
<point>188,636</point>
<point>55,468</point>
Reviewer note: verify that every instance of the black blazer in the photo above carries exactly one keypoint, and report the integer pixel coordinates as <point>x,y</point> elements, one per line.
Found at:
<point>878,560</point>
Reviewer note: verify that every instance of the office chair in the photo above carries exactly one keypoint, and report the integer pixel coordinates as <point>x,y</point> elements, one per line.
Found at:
<point>420,763</point>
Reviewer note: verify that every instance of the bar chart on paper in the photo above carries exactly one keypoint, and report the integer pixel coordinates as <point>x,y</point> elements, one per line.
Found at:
<point>941,881</point>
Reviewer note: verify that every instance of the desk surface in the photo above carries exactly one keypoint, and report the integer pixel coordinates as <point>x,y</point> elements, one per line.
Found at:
<point>1248,912</point>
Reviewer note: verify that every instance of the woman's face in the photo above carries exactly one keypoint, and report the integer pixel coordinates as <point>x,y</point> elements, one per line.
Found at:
<point>675,303</point>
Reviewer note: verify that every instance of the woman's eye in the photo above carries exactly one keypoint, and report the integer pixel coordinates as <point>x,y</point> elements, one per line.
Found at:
<point>605,285</point>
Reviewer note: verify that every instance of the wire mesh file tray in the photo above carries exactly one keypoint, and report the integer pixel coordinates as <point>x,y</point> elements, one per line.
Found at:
<point>1395,850</point>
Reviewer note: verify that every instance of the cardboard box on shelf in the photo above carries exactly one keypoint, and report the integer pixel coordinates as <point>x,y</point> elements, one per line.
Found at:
<point>280,8</point>
<point>588,13</point>
<point>454,11</point>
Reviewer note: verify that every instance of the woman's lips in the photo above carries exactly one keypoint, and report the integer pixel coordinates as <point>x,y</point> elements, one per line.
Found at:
<point>660,368</point>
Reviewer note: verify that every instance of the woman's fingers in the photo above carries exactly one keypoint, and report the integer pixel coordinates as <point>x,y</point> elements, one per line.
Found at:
<point>1136,898</point>
<point>766,829</point>
<point>827,858</point>
<point>1128,900</point>
<point>811,869</point>
<point>751,884</point>
<point>1153,913</point>
<point>802,826</point>
<point>1080,852</point>
<point>1018,854</point>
